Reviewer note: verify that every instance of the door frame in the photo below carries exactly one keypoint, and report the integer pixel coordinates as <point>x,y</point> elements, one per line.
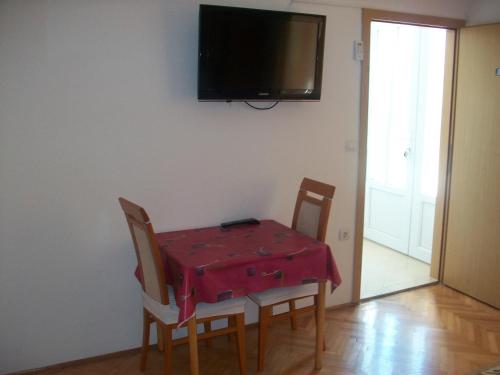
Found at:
<point>369,15</point>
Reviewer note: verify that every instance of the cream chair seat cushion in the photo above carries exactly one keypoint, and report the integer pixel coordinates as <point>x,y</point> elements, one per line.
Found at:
<point>169,314</point>
<point>277,295</point>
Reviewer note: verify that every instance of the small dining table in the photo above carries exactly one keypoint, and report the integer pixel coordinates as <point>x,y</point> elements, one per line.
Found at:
<point>214,264</point>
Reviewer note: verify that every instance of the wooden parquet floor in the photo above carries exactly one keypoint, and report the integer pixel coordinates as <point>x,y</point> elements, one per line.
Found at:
<point>433,330</point>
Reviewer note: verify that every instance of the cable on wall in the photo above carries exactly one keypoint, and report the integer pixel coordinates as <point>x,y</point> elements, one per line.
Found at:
<point>262,108</point>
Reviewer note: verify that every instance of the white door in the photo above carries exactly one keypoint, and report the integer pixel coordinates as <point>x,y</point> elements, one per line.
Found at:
<point>427,140</point>
<point>404,121</point>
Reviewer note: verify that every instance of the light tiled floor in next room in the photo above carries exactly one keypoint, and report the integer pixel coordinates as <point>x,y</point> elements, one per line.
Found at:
<point>386,270</point>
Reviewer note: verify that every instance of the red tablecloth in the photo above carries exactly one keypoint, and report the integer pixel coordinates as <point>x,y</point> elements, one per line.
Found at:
<point>215,264</point>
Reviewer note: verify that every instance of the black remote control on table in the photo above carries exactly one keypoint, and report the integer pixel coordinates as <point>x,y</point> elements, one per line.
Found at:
<point>250,221</point>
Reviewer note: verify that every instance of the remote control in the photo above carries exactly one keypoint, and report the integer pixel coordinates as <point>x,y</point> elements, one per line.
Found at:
<point>250,221</point>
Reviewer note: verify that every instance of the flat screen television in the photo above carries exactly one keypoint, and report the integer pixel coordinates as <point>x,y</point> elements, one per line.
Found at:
<point>250,54</point>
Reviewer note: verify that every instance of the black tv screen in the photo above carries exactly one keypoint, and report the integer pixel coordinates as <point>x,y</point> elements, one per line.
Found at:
<point>250,54</point>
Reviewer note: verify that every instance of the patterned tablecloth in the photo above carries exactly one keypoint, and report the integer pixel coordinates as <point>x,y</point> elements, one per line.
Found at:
<point>214,264</point>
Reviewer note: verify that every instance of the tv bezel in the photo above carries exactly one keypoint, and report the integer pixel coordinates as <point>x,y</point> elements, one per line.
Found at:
<point>277,95</point>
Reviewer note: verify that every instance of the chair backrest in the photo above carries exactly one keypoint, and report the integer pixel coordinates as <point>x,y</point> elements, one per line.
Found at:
<point>311,213</point>
<point>147,251</point>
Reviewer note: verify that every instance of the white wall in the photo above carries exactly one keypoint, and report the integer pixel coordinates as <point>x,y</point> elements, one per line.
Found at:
<point>483,11</point>
<point>97,101</point>
<point>441,8</point>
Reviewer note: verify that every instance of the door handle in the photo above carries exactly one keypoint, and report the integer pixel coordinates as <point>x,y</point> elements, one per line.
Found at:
<point>406,154</point>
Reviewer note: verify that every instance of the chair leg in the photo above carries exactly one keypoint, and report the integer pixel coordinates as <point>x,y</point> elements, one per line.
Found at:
<point>167,349</point>
<point>316,320</point>
<point>320,326</point>
<point>208,328</point>
<point>145,339</point>
<point>193,346</point>
<point>230,323</point>
<point>241,344</point>
<point>264,319</point>
<point>159,335</point>
<point>293,318</point>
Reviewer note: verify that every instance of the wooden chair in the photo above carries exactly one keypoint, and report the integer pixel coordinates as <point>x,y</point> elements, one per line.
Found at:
<point>310,217</point>
<point>159,300</point>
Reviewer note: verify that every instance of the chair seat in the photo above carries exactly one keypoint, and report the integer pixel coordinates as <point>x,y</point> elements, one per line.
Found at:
<point>277,295</point>
<point>169,314</point>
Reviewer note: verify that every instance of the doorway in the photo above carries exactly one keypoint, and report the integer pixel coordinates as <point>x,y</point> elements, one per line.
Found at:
<point>406,94</point>
<point>404,126</point>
